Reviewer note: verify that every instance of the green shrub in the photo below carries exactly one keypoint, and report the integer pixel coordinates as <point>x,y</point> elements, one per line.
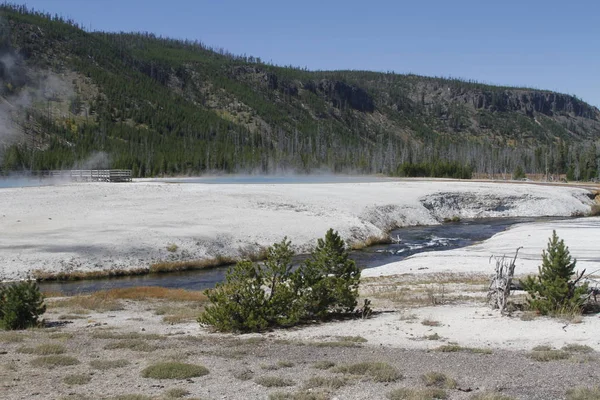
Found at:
<point>21,305</point>
<point>174,370</point>
<point>254,298</point>
<point>553,289</point>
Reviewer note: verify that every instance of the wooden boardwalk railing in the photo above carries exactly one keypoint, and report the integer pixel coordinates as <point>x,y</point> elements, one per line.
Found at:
<point>89,175</point>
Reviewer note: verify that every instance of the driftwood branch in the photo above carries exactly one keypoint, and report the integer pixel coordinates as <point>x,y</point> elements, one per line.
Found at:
<point>499,289</point>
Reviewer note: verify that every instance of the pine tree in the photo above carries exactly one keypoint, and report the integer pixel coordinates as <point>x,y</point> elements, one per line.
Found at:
<point>331,278</point>
<point>21,305</point>
<point>553,290</point>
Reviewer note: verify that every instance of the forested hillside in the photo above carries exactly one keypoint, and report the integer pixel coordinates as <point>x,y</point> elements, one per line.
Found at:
<point>71,98</point>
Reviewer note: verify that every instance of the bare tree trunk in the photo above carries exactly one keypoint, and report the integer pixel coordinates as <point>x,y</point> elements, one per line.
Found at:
<point>499,289</point>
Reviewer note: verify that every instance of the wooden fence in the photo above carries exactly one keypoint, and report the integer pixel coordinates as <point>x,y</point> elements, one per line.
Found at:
<point>88,175</point>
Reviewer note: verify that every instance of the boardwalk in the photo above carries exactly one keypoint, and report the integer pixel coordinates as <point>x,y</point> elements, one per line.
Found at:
<point>89,175</point>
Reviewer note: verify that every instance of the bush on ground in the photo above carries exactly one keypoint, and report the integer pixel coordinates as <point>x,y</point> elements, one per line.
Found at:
<point>554,290</point>
<point>21,305</point>
<point>255,297</point>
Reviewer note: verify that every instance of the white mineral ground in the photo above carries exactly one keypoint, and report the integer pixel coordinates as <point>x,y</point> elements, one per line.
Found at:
<point>103,226</point>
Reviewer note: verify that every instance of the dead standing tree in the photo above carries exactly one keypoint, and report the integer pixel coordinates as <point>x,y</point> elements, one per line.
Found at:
<point>501,282</point>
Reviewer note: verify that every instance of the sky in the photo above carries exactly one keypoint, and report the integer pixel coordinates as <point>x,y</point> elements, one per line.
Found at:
<point>549,44</point>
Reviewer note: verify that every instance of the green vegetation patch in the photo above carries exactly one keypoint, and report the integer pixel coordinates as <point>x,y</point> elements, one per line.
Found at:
<point>77,379</point>
<point>549,355</point>
<point>417,394</point>
<point>580,393</point>
<point>174,370</point>
<point>108,364</point>
<point>274,381</point>
<point>438,380</point>
<point>54,361</point>
<point>43,349</point>
<point>330,383</point>
<point>324,364</point>
<point>131,344</point>
<point>378,371</point>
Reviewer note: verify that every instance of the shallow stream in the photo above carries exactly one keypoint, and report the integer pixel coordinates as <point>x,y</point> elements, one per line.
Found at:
<point>406,242</point>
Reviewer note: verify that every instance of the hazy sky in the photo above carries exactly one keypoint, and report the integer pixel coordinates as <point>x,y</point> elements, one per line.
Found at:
<point>543,44</point>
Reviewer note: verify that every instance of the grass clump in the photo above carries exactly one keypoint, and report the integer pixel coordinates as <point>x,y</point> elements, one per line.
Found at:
<point>172,247</point>
<point>54,361</point>
<point>438,380</point>
<point>274,381</point>
<point>106,334</point>
<point>61,336</point>
<point>303,395</point>
<point>433,336</point>
<point>285,364</point>
<point>548,355</point>
<point>43,349</point>
<point>324,364</point>
<point>454,348</point>
<point>108,364</point>
<point>176,393</point>
<point>77,379</point>
<point>490,396</point>
<point>584,393</point>
<point>417,394</point>
<point>577,348</point>
<point>330,383</point>
<point>12,337</point>
<point>174,370</point>
<point>352,339</point>
<point>244,374</point>
<point>378,371</point>
<point>430,322</point>
<point>131,344</point>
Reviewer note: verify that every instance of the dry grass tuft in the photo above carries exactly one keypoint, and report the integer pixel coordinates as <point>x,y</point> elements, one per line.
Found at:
<point>175,266</point>
<point>371,241</point>
<point>274,381</point>
<point>353,339</point>
<point>43,349</point>
<point>548,355</point>
<point>438,380</point>
<point>77,379</point>
<point>584,393</point>
<point>329,383</point>
<point>244,374</point>
<point>61,336</point>
<point>454,348</point>
<point>490,396</point>
<point>131,344</point>
<point>106,334</point>
<point>417,394</point>
<point>429,322</point>
<point>95,302</point>
<point>378,371</point>
<point>12,337</point>
<point>174,370</point>
<point>108,364</point>
<point>41,275</point>
<point>176,393</point>
<point>577,348</point>
<point>303,395</point>
<point>54,361</point>
<point>180,313</point>
<point>324,364</point>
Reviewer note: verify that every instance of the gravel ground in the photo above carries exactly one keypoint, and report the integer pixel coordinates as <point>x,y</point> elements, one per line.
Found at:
<point>229,358</point>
